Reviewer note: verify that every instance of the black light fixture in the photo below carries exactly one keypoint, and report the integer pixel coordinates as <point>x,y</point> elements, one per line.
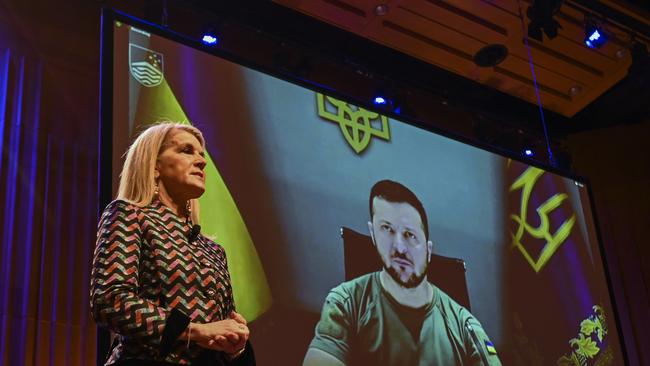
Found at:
<point>640,58</point>
<point>491,55</point>
<point>541,14</point>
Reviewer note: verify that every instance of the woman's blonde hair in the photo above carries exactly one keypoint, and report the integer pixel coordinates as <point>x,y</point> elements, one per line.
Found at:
<point>137,179</point>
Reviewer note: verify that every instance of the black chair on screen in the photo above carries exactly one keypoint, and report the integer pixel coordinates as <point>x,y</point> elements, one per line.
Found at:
<point>446,273</point>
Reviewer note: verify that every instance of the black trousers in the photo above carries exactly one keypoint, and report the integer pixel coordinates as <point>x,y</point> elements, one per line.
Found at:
<point>208,358</point>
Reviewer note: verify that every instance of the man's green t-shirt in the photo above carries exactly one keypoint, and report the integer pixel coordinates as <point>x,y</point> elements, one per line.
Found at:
<point>362,324</point>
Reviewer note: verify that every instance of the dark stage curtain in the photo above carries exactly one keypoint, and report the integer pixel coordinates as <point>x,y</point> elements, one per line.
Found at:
<point>48,211</point>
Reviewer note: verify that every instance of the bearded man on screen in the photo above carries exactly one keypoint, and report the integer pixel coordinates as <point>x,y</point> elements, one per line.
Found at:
<point>396,316</point>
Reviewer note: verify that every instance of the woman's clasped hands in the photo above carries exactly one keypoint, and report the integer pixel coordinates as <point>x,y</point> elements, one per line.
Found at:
<point>228,335</point>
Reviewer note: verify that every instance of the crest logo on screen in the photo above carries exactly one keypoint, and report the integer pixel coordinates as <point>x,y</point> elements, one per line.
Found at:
<point>357,124</point>
<point>146,65</point>
<point>526,182</point>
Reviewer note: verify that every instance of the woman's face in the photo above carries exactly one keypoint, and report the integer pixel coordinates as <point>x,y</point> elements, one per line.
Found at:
<point>180,166</point>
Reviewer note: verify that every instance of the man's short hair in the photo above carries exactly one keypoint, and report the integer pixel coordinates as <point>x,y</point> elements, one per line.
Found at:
<point>397,193</point>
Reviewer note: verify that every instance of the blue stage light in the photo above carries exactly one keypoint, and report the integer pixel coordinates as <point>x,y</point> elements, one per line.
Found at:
<point>210,39</point>
<point>379,100</point>
<point>594,36</point>
<point>528,152</point>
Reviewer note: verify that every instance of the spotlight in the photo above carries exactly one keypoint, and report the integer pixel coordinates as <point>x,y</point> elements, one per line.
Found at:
<point>540,14</point>
<point>379,100</point>
<point>528,152</point>
<point>594,39</point>
<point>595,35</point>
<point>210,39</point>
<point>389,98</point>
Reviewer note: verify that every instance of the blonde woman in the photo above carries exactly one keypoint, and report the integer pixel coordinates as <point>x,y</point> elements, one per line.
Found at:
<point>157,283</point>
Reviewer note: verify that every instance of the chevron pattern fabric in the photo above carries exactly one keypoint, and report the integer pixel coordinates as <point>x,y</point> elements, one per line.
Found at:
<point>144,266</point>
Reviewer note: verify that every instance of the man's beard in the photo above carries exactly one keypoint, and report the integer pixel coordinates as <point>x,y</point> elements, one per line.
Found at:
<point>414,279</point>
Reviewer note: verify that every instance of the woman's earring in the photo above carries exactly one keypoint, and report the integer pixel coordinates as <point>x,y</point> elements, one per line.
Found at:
<point>155,190</point>
<point>188,208</point>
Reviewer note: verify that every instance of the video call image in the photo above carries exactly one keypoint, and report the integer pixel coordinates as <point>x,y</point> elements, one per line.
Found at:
<point>358,238</point>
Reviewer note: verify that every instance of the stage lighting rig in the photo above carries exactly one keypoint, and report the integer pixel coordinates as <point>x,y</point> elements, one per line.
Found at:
<point>541,14</point>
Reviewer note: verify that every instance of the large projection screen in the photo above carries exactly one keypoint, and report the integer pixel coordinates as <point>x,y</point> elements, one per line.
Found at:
<point>288,167</point>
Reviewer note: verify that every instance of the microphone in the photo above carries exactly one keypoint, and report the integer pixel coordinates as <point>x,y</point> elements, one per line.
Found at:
<point>194,233</point>
<point>476,341</point>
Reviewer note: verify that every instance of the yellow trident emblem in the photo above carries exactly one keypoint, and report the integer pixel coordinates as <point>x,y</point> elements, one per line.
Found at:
<point>526,182</point>
<point>356,125</point>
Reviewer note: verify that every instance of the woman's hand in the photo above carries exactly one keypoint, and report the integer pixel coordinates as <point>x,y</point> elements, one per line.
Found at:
<point>229,335</point>
<point>239,346</point>
<point>238,318</point>
<point>233,349</point>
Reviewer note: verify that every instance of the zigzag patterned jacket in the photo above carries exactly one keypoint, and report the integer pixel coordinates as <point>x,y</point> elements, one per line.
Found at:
<point>148,281</point>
